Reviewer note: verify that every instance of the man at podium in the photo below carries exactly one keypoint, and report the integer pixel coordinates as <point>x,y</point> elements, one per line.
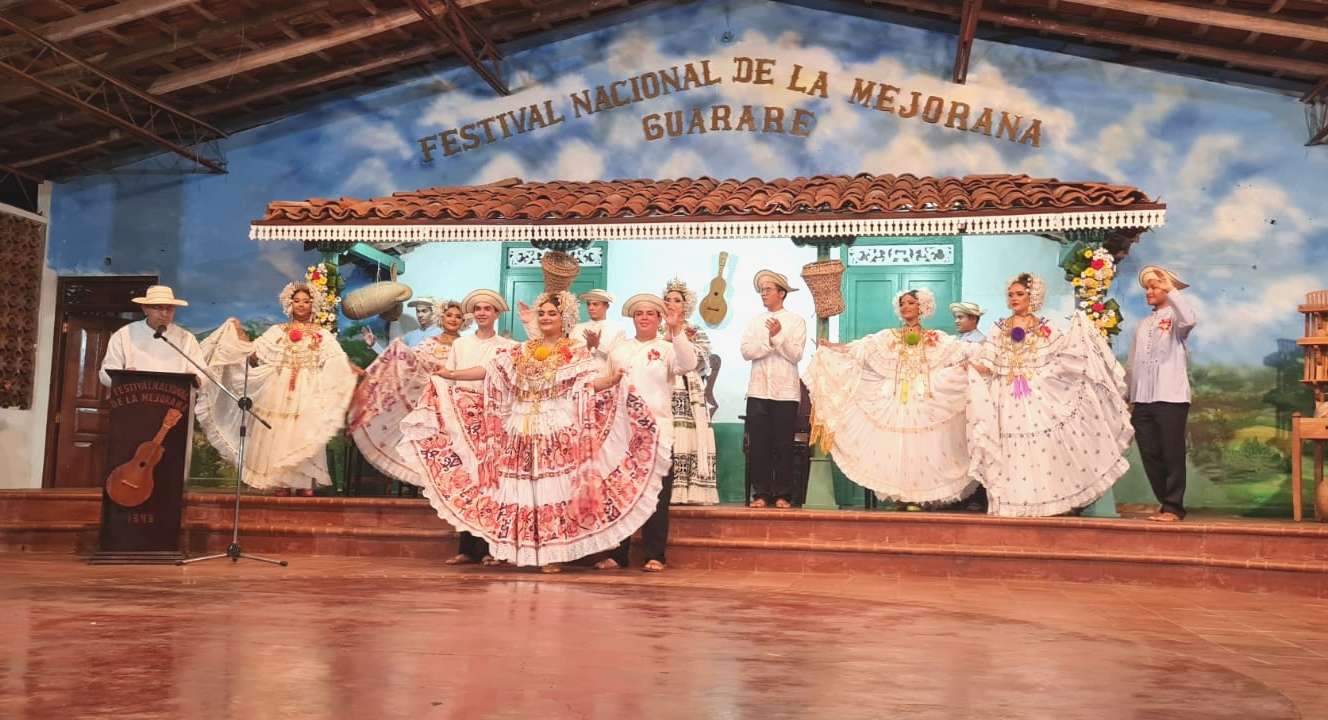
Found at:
<point>135,346</point>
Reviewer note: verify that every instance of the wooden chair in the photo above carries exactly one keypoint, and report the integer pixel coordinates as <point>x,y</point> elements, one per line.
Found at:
<point>1314,430</point>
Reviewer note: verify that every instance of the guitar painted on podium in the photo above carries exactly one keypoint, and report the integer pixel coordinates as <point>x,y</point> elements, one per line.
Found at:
<point>131,484</point>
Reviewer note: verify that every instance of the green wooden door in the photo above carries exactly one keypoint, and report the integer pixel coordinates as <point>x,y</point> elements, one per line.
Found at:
<point>523,280</point>
<point>877,268</point>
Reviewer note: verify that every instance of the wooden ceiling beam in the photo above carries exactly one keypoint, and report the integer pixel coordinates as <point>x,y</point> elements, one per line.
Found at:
<point>67,73</point>
<point>107,18</point>
<point>321,78</point>
<point>968,28</point>
<point>286,51</point>
<point>1250,60</point>
<point>1229,19</point>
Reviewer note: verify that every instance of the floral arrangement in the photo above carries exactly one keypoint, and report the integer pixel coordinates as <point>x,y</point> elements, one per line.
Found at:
<point>1091,269</point>
<point>328,280</point>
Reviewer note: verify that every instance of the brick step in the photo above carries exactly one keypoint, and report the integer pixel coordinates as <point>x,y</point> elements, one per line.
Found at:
<point>1202,539</point>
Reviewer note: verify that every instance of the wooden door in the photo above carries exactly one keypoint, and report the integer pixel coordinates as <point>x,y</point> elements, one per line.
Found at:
<point>82,426</point>
<point>88,312</point>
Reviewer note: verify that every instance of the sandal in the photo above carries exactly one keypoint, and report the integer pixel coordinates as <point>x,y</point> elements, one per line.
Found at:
<point>1166,517</point>
<point>783,504</point>
<point>608,564</point>
<point>460,559</point>
<point>551,569</point>
<point>653,566</point>
<point>306,492</point>
<point>490,561</point>
<point>281,492</point>
<point>757,503</point>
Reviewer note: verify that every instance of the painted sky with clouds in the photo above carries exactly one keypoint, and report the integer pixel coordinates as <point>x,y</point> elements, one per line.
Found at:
<point>1245,221</point>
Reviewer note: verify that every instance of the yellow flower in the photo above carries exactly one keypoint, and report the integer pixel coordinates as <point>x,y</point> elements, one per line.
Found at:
<point>1088,253</point>
<point>541,353</point>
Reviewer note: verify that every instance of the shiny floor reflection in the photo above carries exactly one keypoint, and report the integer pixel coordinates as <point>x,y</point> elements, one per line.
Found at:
<point>356,638</point>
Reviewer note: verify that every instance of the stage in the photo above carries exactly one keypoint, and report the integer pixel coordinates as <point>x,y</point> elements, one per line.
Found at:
<point>1202,552</point>
<point>358,637</point>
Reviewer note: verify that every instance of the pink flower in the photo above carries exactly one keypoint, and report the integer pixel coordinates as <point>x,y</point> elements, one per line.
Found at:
<point>1098,264</point>
<point>652,356</point>
<point>295,335</point>
<point>1099,307</point>
<point>1044,331</point>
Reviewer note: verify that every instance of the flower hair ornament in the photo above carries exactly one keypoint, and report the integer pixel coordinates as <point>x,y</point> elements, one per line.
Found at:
<point>926,301</point>
<point>442,306</point>
<point>567,303</point>
<point>688,295</point>
<point>288,295</point>
<point>1037,289</point>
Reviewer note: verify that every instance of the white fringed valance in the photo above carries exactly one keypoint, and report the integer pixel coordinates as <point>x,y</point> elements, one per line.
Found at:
<point>995,224</point>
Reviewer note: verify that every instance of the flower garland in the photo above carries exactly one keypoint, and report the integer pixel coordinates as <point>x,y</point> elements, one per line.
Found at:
<point>1091,270</point>
<point>327,278</point>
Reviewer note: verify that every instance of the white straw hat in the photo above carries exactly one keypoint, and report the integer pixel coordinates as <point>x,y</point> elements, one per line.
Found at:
<point>160,295</point>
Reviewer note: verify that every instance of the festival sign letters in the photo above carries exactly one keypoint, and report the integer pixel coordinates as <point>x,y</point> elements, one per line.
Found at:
<point>649,87</point>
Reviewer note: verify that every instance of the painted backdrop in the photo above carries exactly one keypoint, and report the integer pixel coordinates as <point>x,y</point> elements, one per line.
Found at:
<point>1245,223</point>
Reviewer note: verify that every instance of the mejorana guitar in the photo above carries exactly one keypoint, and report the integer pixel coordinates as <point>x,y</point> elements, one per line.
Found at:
<point>713,305</point>
<point>130,485</point>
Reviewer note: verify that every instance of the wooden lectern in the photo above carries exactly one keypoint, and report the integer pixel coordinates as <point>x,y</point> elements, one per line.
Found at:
<point>142,505</point>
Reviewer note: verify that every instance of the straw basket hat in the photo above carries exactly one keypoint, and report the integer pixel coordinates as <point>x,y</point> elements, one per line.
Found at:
<point>560,270</point>
<point>374,299</point>
<point>824,280</point>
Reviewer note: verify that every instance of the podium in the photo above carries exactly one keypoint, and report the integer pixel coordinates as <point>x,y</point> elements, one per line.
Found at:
<point>142,505</point>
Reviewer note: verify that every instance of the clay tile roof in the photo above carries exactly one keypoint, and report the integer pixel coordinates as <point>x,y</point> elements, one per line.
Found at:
<point>840,198</point>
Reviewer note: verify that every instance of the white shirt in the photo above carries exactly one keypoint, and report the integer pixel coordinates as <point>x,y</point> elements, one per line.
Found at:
<point>471,350</point>
<point>651,366</point>
<point>609,335</point>
<point>974,336</point>
<point>133,347</point>
<point>774,360</point>
<point>1158,367</point>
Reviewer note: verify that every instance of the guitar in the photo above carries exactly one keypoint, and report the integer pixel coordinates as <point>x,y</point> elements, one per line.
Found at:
<point>131,484</point>
<point>713,305</point>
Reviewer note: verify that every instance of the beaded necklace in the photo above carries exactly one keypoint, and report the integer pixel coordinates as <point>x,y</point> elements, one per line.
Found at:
<point>300,344</point>
<point>913,343</point>
<point>1019,344</point>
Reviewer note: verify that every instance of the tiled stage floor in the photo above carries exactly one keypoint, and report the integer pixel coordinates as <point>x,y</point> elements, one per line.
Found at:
<point>332,637</point>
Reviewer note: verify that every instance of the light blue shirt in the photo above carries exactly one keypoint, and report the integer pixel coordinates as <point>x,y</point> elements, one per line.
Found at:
<point>412,338</point>
<point>1158,367</point>
<point>974,336</point>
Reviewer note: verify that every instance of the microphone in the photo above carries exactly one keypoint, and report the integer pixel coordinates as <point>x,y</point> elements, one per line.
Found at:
<point>159,332</point>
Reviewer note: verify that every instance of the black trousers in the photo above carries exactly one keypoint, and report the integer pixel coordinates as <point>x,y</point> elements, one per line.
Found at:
<point>770,426</point>
<point>475,548</point>
<point>1159,430</point>
<point>655,533</point>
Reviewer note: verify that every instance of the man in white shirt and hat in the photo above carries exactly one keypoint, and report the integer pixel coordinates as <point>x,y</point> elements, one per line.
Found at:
<point>136,347</point>
<point>598,334</point>
<point>1158,383</point>
<point>485,306</point>
<point>773,342</point>
<point>426,314</point>
<point>966,317</point>
<point>651,362</point>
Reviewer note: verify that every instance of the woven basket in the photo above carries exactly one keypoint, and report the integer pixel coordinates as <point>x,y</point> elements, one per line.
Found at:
<point>560,270</point>
<point>823,279</point>
<point>373,299</point>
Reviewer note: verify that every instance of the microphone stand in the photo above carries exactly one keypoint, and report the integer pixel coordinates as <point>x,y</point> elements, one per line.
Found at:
<point>246,405</point>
